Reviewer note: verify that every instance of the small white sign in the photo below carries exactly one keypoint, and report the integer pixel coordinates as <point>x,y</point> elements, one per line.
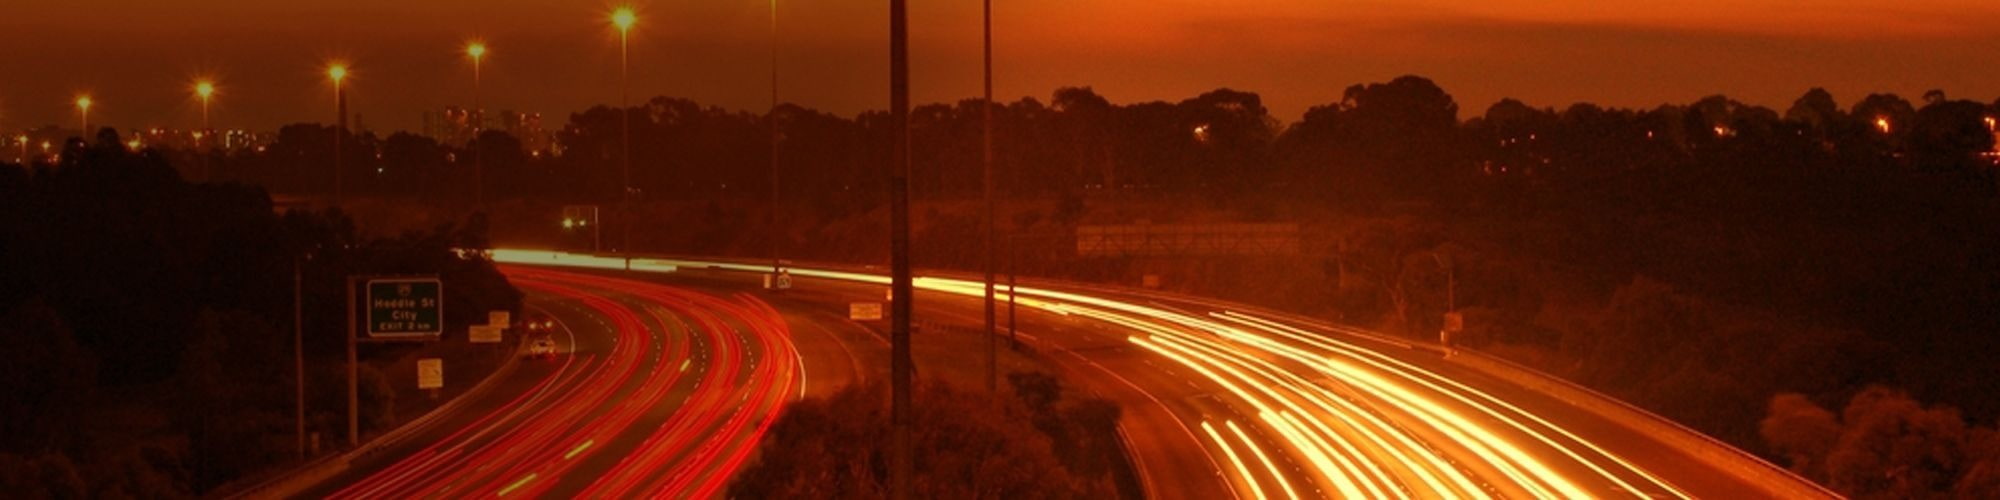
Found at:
<point>484,334</point>
<point>864,311</point>
<point>430,373</point>
<point>500,318</point>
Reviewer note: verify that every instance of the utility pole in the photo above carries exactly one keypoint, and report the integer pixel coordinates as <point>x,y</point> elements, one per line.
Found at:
<point>901,464</point>
<point>992,227</point>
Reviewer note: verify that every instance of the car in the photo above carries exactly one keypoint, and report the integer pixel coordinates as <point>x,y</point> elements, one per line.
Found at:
<point>539,323</point>
<point>542,348</point>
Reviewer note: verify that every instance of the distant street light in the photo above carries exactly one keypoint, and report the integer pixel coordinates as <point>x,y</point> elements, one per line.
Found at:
<point>83,115</point>
<point>338,73</point>
<point>477,51</point>
<point>624,18</point>
<point>1882,124</point>
<point>205,90</point>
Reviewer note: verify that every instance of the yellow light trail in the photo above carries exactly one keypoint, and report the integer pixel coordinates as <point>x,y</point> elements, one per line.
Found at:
<point>1239,358</point>
<point>1420,375</point>
<point>1241,470</point>
<point>1262,459</point>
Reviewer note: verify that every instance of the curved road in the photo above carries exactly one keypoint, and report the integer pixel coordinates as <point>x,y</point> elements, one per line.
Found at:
<point>670,373</point>
<point>656,389</point>
<point>1223,402</point>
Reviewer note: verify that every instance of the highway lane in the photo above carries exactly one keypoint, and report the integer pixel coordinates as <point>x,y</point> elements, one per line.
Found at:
<point>656,390</point>
<point>1226,402</point>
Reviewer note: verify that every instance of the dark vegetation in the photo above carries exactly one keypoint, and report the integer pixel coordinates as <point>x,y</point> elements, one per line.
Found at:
<point>1036,444</point>
<point>146,324</point>
<point>1695,259</point>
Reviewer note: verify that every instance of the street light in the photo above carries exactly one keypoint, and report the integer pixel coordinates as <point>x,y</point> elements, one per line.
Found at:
<point>337,72</point>
<point>477,51</point>
<point>777,240</point>
<point>205,90</point>
<point>1882,124</point>
<point>624,18</point>
<point>83,113</point>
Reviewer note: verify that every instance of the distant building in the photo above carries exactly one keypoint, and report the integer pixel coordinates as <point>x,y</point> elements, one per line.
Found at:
<point>454,126</point>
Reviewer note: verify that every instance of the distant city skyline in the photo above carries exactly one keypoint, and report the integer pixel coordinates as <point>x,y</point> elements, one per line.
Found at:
<point>560,57</point>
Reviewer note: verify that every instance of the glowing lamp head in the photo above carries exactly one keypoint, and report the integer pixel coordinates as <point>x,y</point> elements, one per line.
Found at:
<point>83,103</point>
<point>204,89</point>
<point>1992,124</point>
<point>337,72</point>
<point>569,223</point>
<point>624,18</point>
<point>476,49</point>
<point>1882,124</point>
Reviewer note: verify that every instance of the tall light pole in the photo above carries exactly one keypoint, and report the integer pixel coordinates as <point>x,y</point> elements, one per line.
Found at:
<point>338,72</point>
<point>777,232</point>
<point>624,19</point>
<point>205,90</point>
<point>83,115</point>
<point>477,51</point>
<point>992,227</point>
<point>902,467</point>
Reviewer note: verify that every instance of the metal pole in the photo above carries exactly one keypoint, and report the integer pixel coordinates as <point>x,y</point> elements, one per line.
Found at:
<point>478,157</point>
<point>625,136</point>
<point>299,350</point>
<point>992,227</point>
<point>353,374</point>
<point>777,239</point>
<point>205,132</point>
<point>902,467</point>
<point>339,129</point>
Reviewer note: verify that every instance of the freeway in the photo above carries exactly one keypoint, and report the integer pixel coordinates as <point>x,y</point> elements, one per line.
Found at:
<point>656,389</point>
<point>1223,401</point>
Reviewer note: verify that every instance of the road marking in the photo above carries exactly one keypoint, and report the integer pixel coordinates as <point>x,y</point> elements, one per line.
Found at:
<point>517,484</point>
<point>578,449</point>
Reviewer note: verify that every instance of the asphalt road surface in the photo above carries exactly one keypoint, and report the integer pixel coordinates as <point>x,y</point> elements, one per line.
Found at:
<point>670,371</point>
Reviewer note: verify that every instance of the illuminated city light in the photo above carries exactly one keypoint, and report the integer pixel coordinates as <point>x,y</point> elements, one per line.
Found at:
<point>1882,124</point>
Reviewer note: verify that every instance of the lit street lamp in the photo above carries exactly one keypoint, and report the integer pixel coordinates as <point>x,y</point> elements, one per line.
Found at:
<point>477,51</point>
<point>624,19</point>
<point>83,115</point>
<point>205,90</point>
<point>338,73</point>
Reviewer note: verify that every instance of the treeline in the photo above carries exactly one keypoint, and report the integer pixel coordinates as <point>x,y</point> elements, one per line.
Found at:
<point>1884,444</point>
<point>146,324</point>
<point>1039,443</point>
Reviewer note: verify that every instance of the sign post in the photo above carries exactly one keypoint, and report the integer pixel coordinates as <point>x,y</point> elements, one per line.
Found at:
<point>400,308</point>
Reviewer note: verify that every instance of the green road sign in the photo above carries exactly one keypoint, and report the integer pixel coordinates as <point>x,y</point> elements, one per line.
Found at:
<point>405,307</point>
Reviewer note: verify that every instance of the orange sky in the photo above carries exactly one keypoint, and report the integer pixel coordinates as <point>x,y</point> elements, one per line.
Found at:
<point>556,56</point>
